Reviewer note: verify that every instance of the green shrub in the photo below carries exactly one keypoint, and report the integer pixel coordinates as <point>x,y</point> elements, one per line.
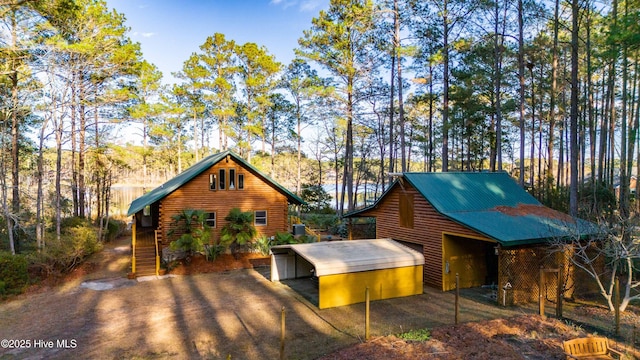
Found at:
<point>283,238</point>
<point>321,221</point>
<point>115,228</point>
<point>239,231</point>
<point>14,273</point>
<point>211,252</point>
<point>193,232</point>
<point>73,222</point>
<point>75,244</point>
<point>416,335</point>
<point>262,245</point>
<point>305,239</point>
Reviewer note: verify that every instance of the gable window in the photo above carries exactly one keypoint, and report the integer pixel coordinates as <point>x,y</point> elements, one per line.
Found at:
<point>146,211</point>
<point>232,179</point>
<point>211,220</point>
<point>406,210</point>
<point>240,181</point>
<point>212,181</point>
<point>260,218</point>
<point>222,179</point>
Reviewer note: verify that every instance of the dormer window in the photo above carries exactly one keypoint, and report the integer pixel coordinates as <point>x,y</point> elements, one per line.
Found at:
<point>240,181</point>
<point>232,179</point>
<point>212,181</point>
<point>222,179</point>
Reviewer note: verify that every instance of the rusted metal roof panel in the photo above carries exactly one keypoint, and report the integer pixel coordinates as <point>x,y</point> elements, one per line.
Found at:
<point>492,204</point>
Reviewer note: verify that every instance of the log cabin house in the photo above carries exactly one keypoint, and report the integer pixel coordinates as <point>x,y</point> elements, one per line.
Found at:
<point>482,226</point>
<point>216,184</point>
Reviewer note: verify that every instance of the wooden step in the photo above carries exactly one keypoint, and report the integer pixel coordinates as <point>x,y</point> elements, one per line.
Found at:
<point>146,261</point>
<point>145,273</point>
<point>146,251</point>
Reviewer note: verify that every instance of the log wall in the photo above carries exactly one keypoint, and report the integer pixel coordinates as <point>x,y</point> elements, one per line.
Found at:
<point>428,229</point>
<point>256,195</point>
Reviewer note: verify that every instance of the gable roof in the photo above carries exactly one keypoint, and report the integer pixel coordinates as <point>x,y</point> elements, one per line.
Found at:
<point>195,170</point>
<point>492,204</point>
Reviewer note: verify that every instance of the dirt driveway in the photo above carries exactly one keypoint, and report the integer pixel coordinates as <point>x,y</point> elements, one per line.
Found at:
<point>216,315</point>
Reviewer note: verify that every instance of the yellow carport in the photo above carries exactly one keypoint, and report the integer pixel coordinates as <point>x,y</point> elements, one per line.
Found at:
<point>344,269</point>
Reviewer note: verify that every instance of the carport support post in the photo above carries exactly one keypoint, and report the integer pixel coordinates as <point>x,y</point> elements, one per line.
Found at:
<point>541,293</point>
<point>366,314</point>
<point>616,304</point>
<point>457,303</point>
<point>282,327</point>
<point>560,294</point>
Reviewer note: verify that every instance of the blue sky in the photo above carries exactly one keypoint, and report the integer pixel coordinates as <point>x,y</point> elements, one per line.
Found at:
<point>169,31</point>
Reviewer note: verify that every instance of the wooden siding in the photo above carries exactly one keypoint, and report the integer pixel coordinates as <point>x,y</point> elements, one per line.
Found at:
<point>428,229</point>
<point>256,195</point>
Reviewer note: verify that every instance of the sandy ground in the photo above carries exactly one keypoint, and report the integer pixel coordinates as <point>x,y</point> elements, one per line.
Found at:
<point>234,314</point>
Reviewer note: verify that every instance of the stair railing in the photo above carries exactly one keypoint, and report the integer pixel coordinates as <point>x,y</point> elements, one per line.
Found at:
<point>157,253</point>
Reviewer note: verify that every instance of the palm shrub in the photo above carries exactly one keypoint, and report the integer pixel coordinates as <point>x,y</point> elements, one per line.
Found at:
<point>262,245</point>
<point>211,252</point>
<point>192,229</point>
<point>238,232</point>
<point>283,238</point>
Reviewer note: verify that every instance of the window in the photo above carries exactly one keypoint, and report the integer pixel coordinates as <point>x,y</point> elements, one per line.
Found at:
<point>232,179</point>
<point>212,181</point>
<point>211,220</point>
<point>240,181</point>
<point>260,218</point>
<point>222,179</point>
<point>406,210</point>
<point>146,211</point>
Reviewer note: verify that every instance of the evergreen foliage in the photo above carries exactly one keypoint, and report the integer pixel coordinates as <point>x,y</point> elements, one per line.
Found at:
<point>238,232</point>
<point>191,230</point>
<point>14,276</point>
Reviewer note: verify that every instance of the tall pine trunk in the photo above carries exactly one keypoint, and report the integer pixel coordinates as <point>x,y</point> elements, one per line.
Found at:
<point>445,88</point>
<point>573,128</point>
<point>521,89</point>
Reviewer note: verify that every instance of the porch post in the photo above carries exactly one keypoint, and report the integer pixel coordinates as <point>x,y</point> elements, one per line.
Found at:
<point>157,254</point>
<point>133,246</point>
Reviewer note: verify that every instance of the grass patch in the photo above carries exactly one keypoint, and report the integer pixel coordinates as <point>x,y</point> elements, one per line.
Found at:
<point>416,335</point>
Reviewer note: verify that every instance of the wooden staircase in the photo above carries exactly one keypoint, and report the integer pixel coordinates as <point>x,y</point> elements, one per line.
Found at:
<point>145,260</point>
<point>145,252</point>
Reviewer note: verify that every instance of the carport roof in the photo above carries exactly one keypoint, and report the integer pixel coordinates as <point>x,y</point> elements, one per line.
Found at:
<point>492,204</point>
<point>339,257</point>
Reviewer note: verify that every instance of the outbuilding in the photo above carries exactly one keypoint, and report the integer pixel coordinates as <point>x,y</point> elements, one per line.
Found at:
<point>342,270</point>
<point>480,225</point>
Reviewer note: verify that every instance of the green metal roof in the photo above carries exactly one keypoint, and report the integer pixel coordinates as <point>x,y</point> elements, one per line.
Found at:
<point>195,170</point>
<point>494,205</point>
